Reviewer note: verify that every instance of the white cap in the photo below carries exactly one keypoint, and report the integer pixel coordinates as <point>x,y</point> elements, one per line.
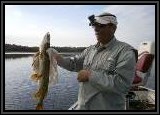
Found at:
<point>106,18</point>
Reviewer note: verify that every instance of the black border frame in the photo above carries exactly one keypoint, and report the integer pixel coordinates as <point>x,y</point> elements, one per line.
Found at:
<point>3,3</point>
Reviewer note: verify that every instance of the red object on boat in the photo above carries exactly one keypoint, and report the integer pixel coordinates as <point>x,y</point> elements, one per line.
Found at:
<point>143,65</point>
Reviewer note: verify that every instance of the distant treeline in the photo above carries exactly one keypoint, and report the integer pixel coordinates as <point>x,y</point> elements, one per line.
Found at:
<point>19,48</point>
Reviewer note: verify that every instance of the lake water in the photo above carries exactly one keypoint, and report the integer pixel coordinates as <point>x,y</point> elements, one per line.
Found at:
<point>19,87</point>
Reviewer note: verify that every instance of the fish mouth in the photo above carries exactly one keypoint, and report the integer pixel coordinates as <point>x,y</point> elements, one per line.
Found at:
<point>48,34</point>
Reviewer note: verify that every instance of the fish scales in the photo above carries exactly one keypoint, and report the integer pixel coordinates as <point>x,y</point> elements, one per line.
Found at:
<point>42,70</point>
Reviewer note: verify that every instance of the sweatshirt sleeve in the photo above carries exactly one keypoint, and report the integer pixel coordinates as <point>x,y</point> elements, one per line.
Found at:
<point>73,63</point>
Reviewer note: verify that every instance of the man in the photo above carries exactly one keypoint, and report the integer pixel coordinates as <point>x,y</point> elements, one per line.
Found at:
<point>105,70</point>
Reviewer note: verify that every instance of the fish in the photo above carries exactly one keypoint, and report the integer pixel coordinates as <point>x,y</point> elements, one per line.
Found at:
<point>42,68</point>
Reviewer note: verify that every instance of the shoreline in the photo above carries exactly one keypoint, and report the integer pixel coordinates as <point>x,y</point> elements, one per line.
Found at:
<point>26,54</point>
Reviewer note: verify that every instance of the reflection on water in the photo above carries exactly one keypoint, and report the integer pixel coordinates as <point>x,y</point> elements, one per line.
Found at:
<point>19,88</point>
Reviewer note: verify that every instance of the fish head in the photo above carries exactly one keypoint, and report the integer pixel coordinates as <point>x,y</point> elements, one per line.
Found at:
<point>45,42</point>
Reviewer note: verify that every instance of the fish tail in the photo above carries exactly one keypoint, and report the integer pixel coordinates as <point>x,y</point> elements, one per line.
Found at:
<point>40,95</point>
<point>39,106</point>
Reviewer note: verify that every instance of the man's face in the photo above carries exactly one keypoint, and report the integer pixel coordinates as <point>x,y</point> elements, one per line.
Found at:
<point>104,33</point>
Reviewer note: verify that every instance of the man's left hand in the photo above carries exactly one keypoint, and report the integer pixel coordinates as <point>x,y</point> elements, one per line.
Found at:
<point>83,75</point>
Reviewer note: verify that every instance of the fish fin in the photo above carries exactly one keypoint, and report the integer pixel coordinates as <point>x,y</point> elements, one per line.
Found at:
<point>39,107</point>
<point>36,77</point>
<point>35,58</point>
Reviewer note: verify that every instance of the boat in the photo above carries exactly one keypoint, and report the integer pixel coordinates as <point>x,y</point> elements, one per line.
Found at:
<point>139,96</point>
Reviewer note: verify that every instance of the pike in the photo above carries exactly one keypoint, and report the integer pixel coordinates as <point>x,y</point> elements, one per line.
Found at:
<point>42,68</point>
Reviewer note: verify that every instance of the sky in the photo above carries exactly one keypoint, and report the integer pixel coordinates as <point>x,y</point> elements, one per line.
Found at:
<point>68,25</point>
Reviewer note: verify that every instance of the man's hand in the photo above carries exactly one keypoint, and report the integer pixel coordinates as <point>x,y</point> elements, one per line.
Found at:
<point>83,75</point>
<point>53,52</point>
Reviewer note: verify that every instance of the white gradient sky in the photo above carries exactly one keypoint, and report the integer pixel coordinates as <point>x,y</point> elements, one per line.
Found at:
<point>68,24</point>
